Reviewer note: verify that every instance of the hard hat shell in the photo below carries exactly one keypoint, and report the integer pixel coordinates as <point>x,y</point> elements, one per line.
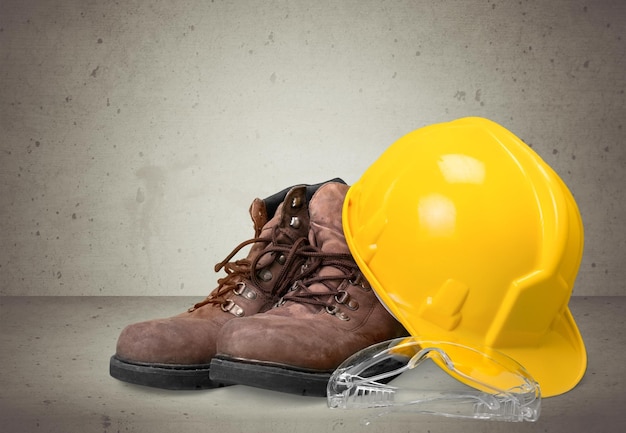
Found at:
<point>468,236</point>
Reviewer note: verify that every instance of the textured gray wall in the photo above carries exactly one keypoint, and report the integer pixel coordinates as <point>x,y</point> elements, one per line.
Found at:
<point>134,134</point>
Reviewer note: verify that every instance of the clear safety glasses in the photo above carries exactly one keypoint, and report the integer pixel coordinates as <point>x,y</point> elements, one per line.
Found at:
<point>452,380</point>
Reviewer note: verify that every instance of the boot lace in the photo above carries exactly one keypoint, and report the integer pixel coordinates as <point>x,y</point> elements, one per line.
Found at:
<point>310,275</point>
<point>244,269</point>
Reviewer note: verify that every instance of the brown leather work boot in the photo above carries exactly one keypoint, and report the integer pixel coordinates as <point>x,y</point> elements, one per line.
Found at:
<point>330,313</point>
<point>175,352</point>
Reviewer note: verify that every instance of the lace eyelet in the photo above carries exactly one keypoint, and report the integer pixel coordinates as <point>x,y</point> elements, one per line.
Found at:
<point>296,202</point>
<point>295,222</point>
<point>239,289</point>
<point>333,310</point>
<point>244,291</point>
<point>265,275</point>
<point>360,282</point>
<point>352,305</point>
<point>232,308</point>
<point>342,297</point>
<point>342,316</point>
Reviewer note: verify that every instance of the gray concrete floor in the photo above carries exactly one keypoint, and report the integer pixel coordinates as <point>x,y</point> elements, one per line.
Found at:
<point>54,355</point>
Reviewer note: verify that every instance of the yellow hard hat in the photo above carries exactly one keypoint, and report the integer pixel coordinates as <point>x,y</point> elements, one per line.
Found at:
<point>468,236</point>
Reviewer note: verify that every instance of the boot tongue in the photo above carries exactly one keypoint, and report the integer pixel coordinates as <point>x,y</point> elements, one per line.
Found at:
<point>259,216</point>
<point>325,209</point>
<point>326,233</point>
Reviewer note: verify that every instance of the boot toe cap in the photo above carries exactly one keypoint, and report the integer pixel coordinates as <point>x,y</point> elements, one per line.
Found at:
<point>167,341</point>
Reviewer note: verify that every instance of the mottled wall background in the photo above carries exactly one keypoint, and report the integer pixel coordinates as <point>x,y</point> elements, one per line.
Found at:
<point>134,134</point>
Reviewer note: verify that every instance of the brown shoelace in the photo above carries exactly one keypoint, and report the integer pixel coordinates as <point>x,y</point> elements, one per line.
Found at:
<point>242,269</point>
<point>317,260</point>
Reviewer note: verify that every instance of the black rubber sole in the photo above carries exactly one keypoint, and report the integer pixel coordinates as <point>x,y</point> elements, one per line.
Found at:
<point>176,377</point>
<point>274,377</point>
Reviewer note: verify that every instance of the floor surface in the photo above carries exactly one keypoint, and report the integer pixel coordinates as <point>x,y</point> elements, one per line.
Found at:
<point>54,358</point>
